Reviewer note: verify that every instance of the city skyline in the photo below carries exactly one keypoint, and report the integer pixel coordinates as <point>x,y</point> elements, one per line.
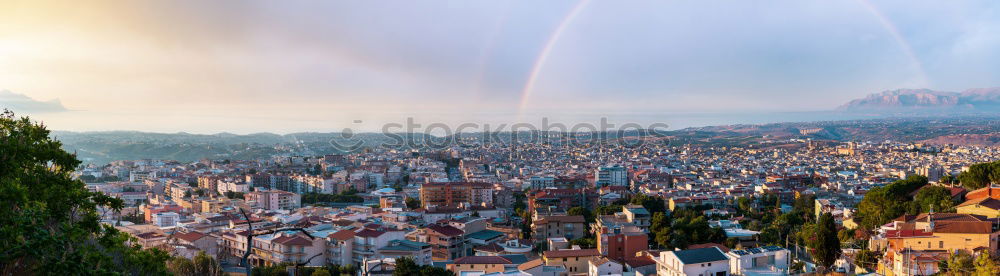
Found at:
<point>263,67</point>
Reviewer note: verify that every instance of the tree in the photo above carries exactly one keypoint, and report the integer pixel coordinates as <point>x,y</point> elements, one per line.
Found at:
<point>580,211</point>
<point>827,247</point>
<point>980,175</point>
<point>947,179</point>
<point>321,272</point>
<point>960,263</point>
<point>206,265</point>
<point>584,242</point>
<point>412,203</point>
<point>406,267</point>
<point>181,266</point>
<point>881,205</point>
<point>986,264</point>
<point>867,259</point>
<point>652,204</point>
<point>48,221</point>
<point>936,197</point>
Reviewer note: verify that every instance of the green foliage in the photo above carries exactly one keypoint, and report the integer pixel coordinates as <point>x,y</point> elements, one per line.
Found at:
<point>867,259</point>
<point>234,195</point>
<point>932,196</point>
<point>585,242</point>
<point>201,265</point>
<point>687,227</point>
<point>608,209</point>
<point>652,204</point>
<point>881,205</point>
<point>986,264</point>
<point>48,221</point>
<point>321,272</point>
<point>745,205</point>
<point>271,270</point>
<point>826,246</point>
<point>806,204</point>
<point>948,179</point>
<point>959,263</point>
<point>580,211</point>
<point>980,175</point>
<point>407,267</point>
<point>412,203</point>
<point>525,224</point>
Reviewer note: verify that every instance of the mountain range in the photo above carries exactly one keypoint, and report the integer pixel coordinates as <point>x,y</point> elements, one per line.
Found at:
<point>923,100</point>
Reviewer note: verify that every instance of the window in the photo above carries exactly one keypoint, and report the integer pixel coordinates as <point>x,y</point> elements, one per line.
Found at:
<point>940,244</point>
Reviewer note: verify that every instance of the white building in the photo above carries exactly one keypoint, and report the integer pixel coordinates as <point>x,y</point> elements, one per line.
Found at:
<point>275,200</point>
<point>604,266</point>
<point>166,219</point>
<point>767,260</point>
<point>696,262</point>
<point>611,176</point>
<point>542,182</point>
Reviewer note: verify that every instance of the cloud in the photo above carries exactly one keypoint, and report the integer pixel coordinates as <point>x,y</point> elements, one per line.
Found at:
<point>21,103</point>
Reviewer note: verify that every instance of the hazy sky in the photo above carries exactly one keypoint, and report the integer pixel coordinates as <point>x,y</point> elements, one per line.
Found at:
<point>280,66</point>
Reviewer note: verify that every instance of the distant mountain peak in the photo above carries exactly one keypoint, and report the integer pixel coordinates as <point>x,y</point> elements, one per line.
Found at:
<point>978,99</point>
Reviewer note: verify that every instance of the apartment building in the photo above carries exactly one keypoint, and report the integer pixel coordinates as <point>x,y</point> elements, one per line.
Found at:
<point>570,227</point>
<point>455,194</point>
<point>274,200</point>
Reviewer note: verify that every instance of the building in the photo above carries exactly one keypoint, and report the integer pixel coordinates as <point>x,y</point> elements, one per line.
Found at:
<point>368,241</point>
<point>708,261</point>
<point>542,182</point>
<point>611,176</point>
<point>638,216</point>
<point>454,194</point>
<point>988,207</point>
<point>448,242</point>
<point>575,261</point>
<point>604,266</point>
<point>288,247</point>
<point>275,200</point>
<point>418,251</point>
<point>571,227</point>
<point>166,219</point>
<point>479,265</point>
<point>622,242</point>
<point>931,237</point>
<point>340,247</point>
<point>201,241</point>
<point>767,260</point>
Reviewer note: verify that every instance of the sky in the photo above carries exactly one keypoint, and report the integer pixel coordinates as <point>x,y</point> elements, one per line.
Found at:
<point>287,66</point>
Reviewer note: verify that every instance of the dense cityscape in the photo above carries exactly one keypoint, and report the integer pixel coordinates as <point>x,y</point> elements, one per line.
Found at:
<point>543,209</point>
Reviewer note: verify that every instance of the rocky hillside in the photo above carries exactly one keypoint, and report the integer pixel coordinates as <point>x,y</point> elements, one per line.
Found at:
<point>972,100</point>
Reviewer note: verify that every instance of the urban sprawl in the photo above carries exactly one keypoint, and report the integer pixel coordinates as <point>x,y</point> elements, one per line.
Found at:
<point>551,210</point>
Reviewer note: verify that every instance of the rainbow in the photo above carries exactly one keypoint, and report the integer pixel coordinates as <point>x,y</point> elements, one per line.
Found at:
<point>536,68</point>
<point>568,19</point>
<point>898,37</point>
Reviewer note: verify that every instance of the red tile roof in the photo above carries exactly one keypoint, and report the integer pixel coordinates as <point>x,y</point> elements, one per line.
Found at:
<point>369,233</point>
<point>482,260</point>
<point>446,230</point>
<point>192,236</point>
<point>292,240</point>
<point>571,253</point>
<point>342,235</point>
